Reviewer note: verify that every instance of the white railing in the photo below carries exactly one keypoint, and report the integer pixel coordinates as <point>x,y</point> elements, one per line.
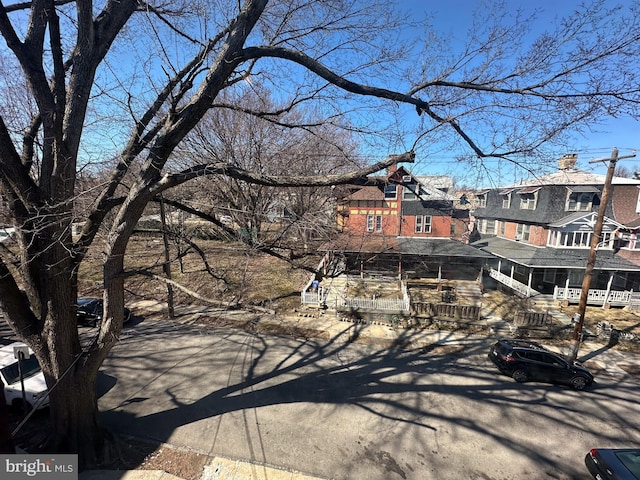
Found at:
<point>388,304</point>
<point>377,303</point>
<point>519,287</point>
<point>314,297</point>
<point>594,297</point>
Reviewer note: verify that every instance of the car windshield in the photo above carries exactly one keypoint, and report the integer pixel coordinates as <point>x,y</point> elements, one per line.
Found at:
<point>631,460</point>
<point>30,367</point>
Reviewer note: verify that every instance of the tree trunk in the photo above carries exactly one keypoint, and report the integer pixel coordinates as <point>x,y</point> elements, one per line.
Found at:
<point>75,421</point>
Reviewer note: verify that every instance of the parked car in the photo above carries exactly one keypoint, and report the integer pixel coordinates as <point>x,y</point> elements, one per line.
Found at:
<point>89,311</point>
<point>35,387</point>
<point>524,360</point>
<point>613,463</point>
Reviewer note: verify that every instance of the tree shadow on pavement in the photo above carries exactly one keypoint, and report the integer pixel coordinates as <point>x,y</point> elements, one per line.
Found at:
<point>438,395</point>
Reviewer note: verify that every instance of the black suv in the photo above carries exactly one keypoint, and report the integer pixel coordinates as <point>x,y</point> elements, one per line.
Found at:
<point>526,360</point>
<point>89,311</point>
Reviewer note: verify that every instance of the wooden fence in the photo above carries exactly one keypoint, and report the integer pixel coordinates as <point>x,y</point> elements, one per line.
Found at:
<point>449,310</point>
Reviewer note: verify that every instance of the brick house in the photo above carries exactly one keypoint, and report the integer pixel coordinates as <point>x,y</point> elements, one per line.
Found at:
<point>406,225</point>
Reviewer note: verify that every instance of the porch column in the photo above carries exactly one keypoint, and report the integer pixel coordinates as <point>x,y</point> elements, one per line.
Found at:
<point>499,266</point>
<point>529,282</point>
<point>512,269</point>
<point>439,272</point>
<point>566,287</point>
<point>361,269</point>
<point>606,296</point>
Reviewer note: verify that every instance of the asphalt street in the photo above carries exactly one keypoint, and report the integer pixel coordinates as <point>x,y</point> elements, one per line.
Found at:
<point>344,410</point>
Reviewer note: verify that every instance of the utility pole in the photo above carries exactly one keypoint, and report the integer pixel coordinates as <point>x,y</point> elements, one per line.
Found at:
<point>591,259</point>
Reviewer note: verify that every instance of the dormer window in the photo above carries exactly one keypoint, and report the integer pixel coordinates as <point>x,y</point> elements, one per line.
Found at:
<point>580,199</point>
<point>482,198</point>
<point>506,197</point>
<point>528,198</point>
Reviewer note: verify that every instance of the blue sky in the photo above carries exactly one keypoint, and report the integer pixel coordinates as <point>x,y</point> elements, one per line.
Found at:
<point>454,17</point>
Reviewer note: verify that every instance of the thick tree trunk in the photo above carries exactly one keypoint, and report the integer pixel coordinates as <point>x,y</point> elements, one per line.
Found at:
<point>75,421</point>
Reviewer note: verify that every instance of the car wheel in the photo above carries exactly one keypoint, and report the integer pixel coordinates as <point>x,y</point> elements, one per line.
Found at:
<point>520,375</point>
<point>578,383</point>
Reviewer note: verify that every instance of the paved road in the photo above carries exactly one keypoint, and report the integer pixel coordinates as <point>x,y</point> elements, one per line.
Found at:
<point>350,411</point>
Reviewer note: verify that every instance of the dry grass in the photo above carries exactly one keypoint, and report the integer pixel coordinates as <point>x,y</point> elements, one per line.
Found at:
<point>230,273</point>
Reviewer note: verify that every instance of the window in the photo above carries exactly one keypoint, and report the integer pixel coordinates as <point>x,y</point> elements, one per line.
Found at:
<point>528,201</point>
<point>378,223</point>
<point>506,198</point>
<point>579,201</point>
<point>482,200</point>
<point>374,221</point>
<point>423,224</point>
<point>490,227</point>
<point>503,226</point>
<point>522,232</point>
<point>390,192</point>
<point>427,224</point>
<point>452,229</point>
<point>409,192</point>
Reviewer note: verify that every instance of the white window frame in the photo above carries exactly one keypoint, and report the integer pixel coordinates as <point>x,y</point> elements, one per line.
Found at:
<point>579,201</point>
<point>378,223</point>
<point>482,200</point>
<point>408,193</point>
<point>370,223</point>
<point>523,232</point>
<point>528,201</point>
<point>506,200</point>
<point>388,190</point>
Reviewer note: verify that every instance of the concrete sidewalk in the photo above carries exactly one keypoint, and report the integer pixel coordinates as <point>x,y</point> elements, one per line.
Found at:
<point>219,469</point>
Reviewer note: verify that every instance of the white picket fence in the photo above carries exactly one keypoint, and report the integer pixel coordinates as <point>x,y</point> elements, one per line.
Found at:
<point>385,304</point>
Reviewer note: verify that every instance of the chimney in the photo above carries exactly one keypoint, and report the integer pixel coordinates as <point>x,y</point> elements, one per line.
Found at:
<point>392,168</point>
<point>568,161</point>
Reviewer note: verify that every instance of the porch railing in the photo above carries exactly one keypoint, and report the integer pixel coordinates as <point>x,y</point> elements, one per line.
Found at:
<point>519,287</point>
<point>595,297</point>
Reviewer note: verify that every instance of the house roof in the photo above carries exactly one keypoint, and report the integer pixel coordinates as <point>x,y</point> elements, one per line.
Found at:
<point>362,243</point>
<point>366,193</point>
<point>537,257</point>
<point>427,247</point>
<point>577,216</point>
<point>438,247</point>
<point>574,177</point>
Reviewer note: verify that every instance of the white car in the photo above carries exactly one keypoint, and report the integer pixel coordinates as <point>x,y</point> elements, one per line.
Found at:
<point>35,387</point>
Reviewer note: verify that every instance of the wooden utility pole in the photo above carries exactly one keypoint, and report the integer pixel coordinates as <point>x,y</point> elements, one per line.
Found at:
<point>166,266</point>
<point>591,259</point>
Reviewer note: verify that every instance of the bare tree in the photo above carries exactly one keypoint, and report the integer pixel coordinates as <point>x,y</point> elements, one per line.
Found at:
<point>287,141</point>
<point>90,98</point>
